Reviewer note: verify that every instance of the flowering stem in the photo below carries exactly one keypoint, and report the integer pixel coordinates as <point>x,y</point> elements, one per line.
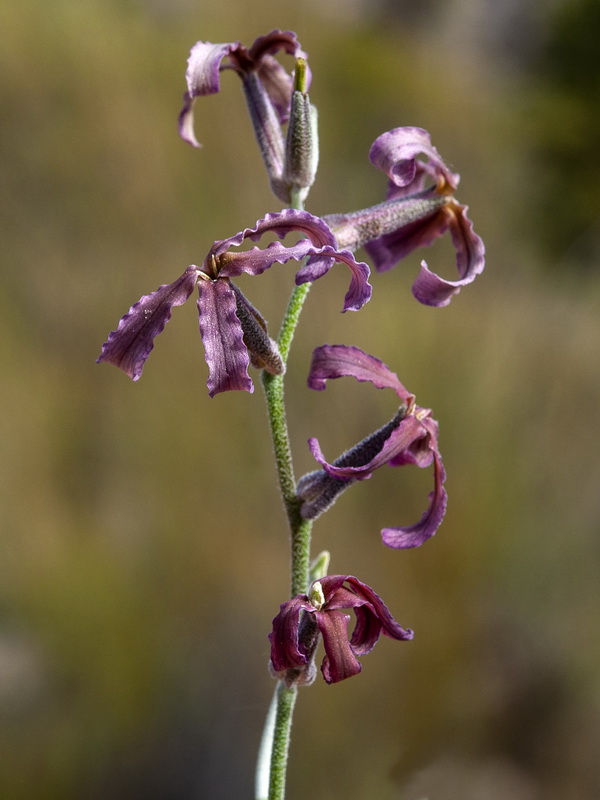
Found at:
<point>300,532</point>
<point>286,700</point>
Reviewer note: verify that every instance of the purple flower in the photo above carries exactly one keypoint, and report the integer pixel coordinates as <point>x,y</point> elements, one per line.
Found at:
<point>413,215</point>
<point>233,331</point>
<point>411,437</point>
<point>267,86</point>
<point>300,620</point>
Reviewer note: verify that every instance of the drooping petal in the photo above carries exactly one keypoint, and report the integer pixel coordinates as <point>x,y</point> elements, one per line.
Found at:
<point>372,618</point>
<point>203,78</point>
<point>360,289</point>
<point>339,662</point>
<point>205,64</point>
<point>425,528</point>
<point>286,649</point>
<point>222,335</point>
<point>395,153</point>
<point>372,615</point>
<point>433,290</point>
<point>131,343</point>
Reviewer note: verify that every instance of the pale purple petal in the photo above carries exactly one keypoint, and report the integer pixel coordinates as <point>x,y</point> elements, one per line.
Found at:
<point>221,331</point>
<point>360,289</point>
<point>429,288</point>
<point>203,78</point>
<point>131,343</point>
<point>338,361</point>
<point>257,260</point>
<point>322,254</point>
<point>281,223</point>
<point>395,153</point>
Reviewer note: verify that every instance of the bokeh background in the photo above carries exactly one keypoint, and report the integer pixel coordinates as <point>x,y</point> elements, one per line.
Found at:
<point>143,550</point>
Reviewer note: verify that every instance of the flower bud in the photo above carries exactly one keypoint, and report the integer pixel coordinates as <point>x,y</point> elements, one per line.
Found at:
<point>262,350</point>
<point>302,144</point>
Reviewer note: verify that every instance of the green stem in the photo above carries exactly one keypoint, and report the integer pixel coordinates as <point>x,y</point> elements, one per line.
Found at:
<point>286,700</point>
<point>300,532</point>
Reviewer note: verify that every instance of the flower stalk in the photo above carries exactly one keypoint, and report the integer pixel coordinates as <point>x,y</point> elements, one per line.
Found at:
<point>419,207</point>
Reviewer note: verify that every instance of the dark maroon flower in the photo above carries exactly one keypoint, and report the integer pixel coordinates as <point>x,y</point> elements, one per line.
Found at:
<point>411,437</point>
<point>413,215</point>
<point>300,620</point>
<point>233,331</point>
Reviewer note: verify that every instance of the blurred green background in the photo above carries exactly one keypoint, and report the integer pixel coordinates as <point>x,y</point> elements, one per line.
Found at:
<point>143,550</point>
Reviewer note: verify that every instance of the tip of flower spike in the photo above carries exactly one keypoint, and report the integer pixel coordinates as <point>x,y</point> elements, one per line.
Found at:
<point>301,76</point>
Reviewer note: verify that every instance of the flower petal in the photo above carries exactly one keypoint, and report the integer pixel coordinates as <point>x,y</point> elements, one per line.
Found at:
<point>367,631</point>
<point>131,343</point>
<point>360,289</point>
<point>425,528</point>
<point>339,662</point>
<point>222,335</point>
<point>322,254</point>
<point>281,223</point>
<point>286,650</point>
<point>339,360</point>
<point>395,153</point>
<point>433,290</point>
<point>203,78</point>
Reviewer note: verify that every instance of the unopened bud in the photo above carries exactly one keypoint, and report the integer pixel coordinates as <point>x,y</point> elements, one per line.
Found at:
<point>319,566</point>
<point>302,144</point>
<point>263,351</point>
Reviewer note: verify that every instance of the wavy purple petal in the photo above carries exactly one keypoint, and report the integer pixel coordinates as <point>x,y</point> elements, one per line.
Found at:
<point>131,343</point>
<point>395,153</point>
<point>360,289</point>
<point>221,331</point>
<point>338,361</point>
<point>203,78</point>
<point>432,290</point>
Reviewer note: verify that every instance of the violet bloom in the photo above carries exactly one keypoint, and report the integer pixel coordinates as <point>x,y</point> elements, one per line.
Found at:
<point>268,88</point>
<point>300,620</point>
<point>414,215</point>
<point>411,437</point>
<point>233,331</point>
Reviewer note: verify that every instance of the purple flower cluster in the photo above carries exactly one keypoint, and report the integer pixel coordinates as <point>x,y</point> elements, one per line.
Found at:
<point>419,207</point>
